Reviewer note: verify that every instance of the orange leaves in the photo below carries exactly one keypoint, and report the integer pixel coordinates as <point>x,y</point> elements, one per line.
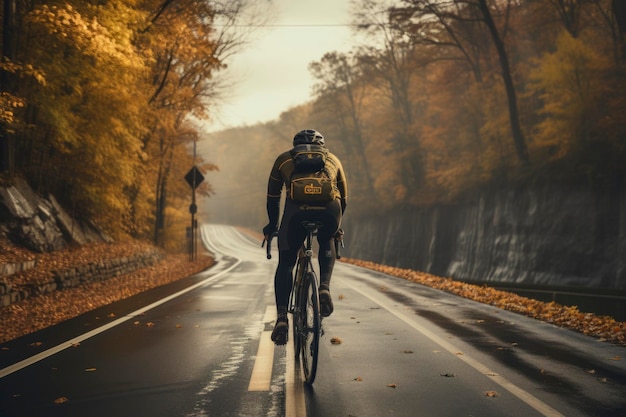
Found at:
<point>336,341</point>
<point>602,327</point>
<point>46,310</point>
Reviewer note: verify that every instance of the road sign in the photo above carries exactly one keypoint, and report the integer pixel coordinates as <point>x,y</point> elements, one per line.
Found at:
<point>194,177</point>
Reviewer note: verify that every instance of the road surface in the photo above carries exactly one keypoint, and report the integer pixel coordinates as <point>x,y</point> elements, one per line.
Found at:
<point>200,347</point>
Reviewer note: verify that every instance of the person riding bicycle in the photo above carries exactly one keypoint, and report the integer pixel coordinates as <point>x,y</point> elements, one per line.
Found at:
<point>291,234</point>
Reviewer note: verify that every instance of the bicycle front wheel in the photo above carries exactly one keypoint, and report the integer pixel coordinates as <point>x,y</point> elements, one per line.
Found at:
<point>311,327</point>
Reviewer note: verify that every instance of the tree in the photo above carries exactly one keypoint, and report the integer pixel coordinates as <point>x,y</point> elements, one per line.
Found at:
<point>390,58</point>
<point>448,17</point>
<point>107,91</point>
<point>572,87</point>
<point>340,89</point>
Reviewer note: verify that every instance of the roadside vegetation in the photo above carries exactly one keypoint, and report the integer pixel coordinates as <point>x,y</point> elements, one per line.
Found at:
<point>100,104</point>
<point>446,97</point>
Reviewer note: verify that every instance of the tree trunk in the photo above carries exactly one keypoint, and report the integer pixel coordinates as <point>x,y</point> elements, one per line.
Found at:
<point>516,129</point>
<point>7,139</point>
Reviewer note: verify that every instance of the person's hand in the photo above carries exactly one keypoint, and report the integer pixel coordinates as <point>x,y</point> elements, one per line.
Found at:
<point>269,230</point>
<point>339,235</point>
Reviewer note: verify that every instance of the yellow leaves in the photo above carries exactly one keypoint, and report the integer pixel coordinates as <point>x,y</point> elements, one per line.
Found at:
<point>61,400</point>
<point>571,81</point>
<point>85,34</point>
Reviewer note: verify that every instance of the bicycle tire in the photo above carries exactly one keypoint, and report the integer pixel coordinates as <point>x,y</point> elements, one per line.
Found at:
<point>296,326</point>
<point>310,327</point>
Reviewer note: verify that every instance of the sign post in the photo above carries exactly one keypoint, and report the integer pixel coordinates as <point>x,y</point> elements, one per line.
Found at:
<point>194,177</point>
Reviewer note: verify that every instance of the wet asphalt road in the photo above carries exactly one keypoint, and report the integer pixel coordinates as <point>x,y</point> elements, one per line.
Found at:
<point>401,350</point>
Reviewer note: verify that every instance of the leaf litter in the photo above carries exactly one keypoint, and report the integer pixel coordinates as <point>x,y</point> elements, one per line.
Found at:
<point>605,328</point>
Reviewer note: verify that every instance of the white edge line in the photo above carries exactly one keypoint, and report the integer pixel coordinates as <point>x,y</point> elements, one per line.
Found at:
<point>62,346</point>
<point>523,395</point>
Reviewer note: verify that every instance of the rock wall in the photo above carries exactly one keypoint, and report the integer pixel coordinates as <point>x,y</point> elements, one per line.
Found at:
<point>553,234</point>
<point>76,275</point>
<point>40,223</point>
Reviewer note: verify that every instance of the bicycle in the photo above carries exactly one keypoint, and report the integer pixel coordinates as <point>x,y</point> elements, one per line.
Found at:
<point>304,304</point>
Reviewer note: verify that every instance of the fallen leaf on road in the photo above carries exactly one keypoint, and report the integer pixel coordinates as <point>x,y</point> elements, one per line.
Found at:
<point>336,341</point>
<point>61,400</point>
<point>491,394</point>
<point>358,378</point>
<point>616,358</point>
<point>392,385</point>
<point>90,369</point>
<point>448,375</point>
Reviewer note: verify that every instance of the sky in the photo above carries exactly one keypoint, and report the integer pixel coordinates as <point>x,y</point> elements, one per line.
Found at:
<point>271,74</point>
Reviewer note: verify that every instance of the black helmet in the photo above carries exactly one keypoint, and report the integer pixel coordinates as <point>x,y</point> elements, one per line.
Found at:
<point>308,136</point>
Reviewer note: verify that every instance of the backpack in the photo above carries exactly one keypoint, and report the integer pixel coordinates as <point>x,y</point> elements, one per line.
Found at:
<point>310,182</point>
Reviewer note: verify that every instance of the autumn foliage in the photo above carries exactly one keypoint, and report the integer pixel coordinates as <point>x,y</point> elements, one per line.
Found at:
<point>444,97</point>
<point>99,100</point>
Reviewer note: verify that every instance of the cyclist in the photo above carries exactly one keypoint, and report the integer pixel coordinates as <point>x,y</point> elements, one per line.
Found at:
<point>291,234</point>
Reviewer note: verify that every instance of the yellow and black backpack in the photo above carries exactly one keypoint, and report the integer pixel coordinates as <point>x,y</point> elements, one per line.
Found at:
<point>310,182</point>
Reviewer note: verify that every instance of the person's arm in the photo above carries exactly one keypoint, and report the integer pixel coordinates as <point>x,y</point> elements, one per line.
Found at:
<point>342,185</point>
<point>274,190</point>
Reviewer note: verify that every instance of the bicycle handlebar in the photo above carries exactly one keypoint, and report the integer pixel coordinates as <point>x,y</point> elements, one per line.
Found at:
<point>268,249</point>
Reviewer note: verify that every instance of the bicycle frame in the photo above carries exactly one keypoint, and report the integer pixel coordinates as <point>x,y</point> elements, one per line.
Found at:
<point>304,304</point>
<point>305,308</point>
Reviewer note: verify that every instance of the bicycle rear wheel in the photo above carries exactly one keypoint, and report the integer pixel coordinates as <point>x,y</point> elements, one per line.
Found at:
<point>310,330</point>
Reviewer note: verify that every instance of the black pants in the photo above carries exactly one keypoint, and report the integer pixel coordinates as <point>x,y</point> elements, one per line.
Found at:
<point>291,235</point>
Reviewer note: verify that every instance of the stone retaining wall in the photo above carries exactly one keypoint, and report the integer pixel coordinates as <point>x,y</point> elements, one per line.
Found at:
<point>560,235</point>
<point>77,275</point>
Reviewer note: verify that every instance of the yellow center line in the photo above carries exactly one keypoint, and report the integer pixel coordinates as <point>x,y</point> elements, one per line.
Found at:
<point>294,386</point>
<point>262,371</point>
